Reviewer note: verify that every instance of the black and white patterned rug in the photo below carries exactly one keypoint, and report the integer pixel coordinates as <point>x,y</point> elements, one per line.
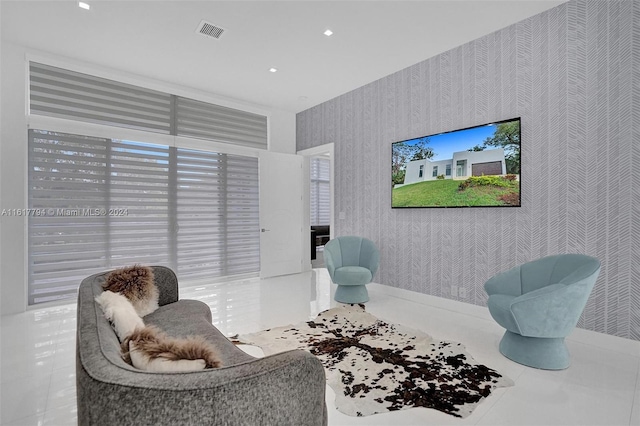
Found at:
<point>375,367</point>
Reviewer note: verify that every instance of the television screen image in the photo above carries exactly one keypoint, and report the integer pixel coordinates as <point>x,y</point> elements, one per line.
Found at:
<point>474,167</point>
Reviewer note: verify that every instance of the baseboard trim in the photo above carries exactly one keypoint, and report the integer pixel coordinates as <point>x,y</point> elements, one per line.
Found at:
<point>580,335</point>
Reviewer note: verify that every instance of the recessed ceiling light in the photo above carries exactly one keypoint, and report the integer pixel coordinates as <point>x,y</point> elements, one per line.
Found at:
<point>328,32</point>
<point>84,5</point>
<point>273,69</point>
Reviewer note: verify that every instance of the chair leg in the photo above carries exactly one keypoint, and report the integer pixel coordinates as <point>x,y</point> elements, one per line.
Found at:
<point>351,294</point>
<point>537,352</point>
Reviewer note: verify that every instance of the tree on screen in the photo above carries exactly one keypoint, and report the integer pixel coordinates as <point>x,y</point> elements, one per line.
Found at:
<point>406,151</point>
<point>507,136</point>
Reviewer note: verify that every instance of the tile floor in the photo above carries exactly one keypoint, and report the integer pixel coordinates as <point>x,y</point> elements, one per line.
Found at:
<point>602,386</point>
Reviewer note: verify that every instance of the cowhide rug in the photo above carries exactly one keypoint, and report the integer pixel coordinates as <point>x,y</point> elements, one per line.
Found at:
<point>374,366</point>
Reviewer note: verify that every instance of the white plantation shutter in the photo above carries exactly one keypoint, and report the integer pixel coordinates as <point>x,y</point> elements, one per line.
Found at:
<point>110,203</point>
<point>320,192</point>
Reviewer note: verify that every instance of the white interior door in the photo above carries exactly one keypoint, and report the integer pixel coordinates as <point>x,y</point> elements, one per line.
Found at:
<point>280,214</point>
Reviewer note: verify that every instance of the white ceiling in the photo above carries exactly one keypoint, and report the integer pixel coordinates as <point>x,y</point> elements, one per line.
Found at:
<point>158,39</point>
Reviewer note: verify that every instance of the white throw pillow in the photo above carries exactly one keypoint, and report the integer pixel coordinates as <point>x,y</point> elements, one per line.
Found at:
<point>120,312</point>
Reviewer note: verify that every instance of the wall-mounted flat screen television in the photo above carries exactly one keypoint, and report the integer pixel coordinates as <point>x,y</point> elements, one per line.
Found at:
<point>474,167</point>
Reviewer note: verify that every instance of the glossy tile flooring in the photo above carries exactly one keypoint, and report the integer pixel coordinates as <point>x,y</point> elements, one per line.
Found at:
<point>602,386</point>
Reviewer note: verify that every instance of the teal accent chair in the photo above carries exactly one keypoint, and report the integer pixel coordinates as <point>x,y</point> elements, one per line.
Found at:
<point>352,262</point>
<point>539,303</point>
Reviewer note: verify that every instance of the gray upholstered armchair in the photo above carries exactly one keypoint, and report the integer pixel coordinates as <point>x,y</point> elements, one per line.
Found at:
<point>539,303</point>
<point>352,262</point>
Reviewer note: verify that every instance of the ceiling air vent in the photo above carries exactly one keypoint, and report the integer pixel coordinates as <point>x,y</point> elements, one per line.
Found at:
<point>209,30</point>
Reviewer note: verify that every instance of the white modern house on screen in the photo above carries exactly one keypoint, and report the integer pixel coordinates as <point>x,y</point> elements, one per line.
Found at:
<point>462,165</point>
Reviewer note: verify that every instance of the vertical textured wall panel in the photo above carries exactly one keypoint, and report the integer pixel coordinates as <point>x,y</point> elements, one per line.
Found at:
<point>634,231</point>
<point>572,74</point>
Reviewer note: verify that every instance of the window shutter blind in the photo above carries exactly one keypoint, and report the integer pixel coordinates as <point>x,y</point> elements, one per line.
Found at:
<point>62,93</point>
<point>57,92</point>
<point>218,214</point>
<point>320,192</point>
<point>109,203</point>
<point>139,200</point>
<point>213,122</point>
<point>67,173</point>
<point>194,211</point>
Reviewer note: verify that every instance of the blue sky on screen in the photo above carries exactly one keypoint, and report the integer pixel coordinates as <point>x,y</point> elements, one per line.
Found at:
<point>445,144</point>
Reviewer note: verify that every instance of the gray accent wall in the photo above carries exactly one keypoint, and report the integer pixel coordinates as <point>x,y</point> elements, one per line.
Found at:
<point>572,74</point>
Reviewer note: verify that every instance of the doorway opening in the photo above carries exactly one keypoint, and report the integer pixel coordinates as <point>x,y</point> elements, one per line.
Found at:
<point>318,201</point>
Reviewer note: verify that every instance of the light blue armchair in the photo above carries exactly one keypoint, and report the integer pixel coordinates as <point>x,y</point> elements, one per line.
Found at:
<point>352,262</point>
<point>539,303</point>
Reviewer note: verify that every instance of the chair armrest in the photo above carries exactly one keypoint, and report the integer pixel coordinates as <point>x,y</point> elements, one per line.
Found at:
<point>540,294</point>
<point>507,282</point>
<point>550,311</point>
